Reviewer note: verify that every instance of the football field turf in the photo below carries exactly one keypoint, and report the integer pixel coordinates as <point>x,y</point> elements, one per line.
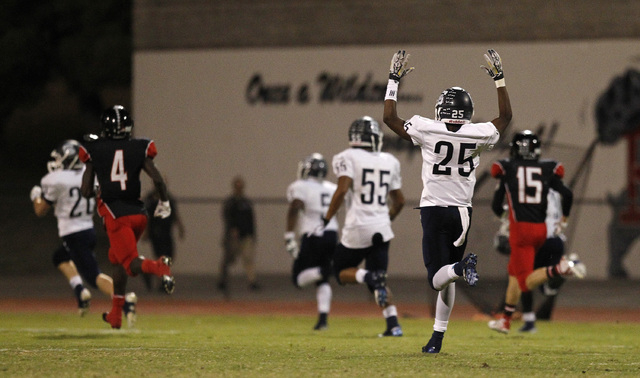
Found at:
<point>62,344</point>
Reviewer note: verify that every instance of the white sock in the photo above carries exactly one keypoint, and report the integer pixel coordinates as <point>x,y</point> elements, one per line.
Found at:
<point>323,296</point>
<point>444,305</point>
<point>360,273</point>
<point>390,311</point>
<point>444,276</point>
<point>308,276</point>
<point>529,316</point>
<point>75,281</point>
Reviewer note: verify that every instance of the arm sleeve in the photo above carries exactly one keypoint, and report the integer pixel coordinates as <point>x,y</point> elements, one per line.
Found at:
<point>565,192</point>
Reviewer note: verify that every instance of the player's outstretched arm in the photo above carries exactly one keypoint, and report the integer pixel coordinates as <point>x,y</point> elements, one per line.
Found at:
<point>494,69</point>
<point>397,71</point>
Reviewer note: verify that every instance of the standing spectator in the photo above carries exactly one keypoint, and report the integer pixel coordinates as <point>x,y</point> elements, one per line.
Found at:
<point>368,178</point>
<point>309,199</point>
<point>159,231</point>
<point>526,180</point>
<point>60,189</point>
<point>239,239</point>
<point>116,160</point>
<point>451,146</point>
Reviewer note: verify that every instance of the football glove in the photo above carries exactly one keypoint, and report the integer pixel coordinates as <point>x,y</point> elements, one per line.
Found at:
<point>494,64</point>
<point>560,227</point>
<point>291,244</point>
<point>163,209</point>
<point>36,192</point>
<point>398,68</point>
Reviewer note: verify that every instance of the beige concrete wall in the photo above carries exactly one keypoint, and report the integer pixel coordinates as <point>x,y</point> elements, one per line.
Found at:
<point>198,106</point>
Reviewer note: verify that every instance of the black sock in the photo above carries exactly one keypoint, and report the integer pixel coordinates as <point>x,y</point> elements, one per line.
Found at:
<point>78,290</point>
<point>392,322</point>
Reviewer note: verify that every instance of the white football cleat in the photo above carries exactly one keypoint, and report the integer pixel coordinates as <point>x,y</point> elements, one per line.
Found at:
<point>129,308</point>
<point>572,266</point>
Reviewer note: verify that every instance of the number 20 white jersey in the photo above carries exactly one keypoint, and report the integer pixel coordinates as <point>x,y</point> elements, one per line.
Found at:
<point>74,212</point>
<point>374,175</point>
<point>449,159</point>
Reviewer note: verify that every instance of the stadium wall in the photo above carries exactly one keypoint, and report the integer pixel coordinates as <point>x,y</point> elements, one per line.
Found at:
<point>218,112</point>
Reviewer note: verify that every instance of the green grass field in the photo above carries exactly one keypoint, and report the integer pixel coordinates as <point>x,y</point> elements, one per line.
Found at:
<point>285,346</point>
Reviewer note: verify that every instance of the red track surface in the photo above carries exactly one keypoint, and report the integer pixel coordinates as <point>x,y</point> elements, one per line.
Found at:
<point>221,307</point>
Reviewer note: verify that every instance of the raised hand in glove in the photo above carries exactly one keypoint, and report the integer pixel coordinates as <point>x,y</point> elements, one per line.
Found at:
<point>163,209</point>
<point>291,244</point>
<point>398,68</point>
<point>494,65</point>
<point>36,192</point>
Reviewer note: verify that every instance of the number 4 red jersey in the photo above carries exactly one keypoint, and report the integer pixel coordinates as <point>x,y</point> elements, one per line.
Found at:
<point>117,165</point>
<point>527,184</point>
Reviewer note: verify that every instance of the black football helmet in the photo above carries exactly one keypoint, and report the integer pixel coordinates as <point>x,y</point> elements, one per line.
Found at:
<point>454,106</point>
<point>65,156</point>
<point>117,123</point>
<point>365,132</point>
<point>313,165</point>
<point>525,146</point>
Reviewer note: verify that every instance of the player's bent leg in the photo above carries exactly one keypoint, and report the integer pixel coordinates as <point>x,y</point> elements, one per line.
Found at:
<point>105,284</point>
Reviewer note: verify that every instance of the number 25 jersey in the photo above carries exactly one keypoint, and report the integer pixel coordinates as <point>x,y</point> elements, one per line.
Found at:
<point>449,159</point>
<point>117,165</point>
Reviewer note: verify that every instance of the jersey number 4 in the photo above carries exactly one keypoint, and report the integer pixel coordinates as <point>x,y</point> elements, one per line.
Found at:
<point>118,173</point>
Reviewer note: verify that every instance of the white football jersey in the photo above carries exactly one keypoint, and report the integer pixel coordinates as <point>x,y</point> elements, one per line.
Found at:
<point>374,175</point>
<point>316,196</point>
<point>74,212</point>
<point>554,212</point>
<point>449,159</point>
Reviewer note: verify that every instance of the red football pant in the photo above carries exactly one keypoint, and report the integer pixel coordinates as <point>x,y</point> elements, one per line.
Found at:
<point>124,233</point>
<point>525,239</point>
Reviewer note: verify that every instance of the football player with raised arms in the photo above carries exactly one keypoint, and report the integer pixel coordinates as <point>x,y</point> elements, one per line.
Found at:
<point>526,181</point>
<point>451,146</point>
<point>60,189</point>
<point>309,198</point>
<point>116,160</point>
<point>369,181</point>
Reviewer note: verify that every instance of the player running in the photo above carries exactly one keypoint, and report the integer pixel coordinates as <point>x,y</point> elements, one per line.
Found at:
<point>526,181</point>
<point>116,160</point>
<point>60,189</point>
<point>367,179</point>
<point>309,198</point>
